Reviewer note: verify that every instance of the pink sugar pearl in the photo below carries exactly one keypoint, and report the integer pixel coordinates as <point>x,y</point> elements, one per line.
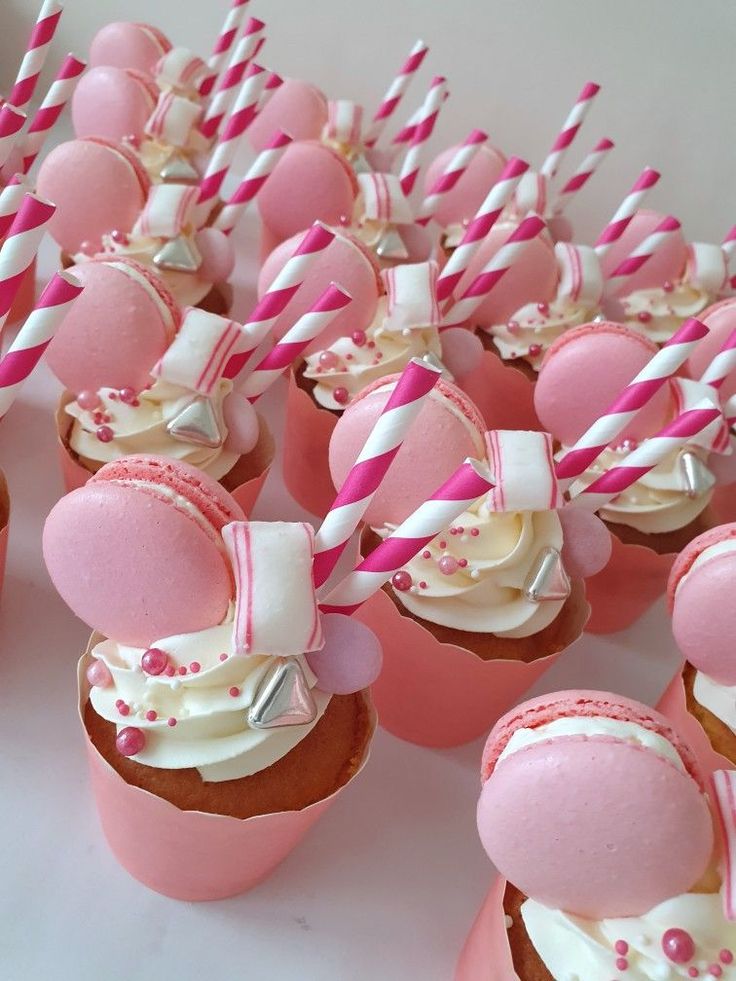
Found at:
<point>678,946</point>
<point>359,338</point>
<point>341,396</point>
<point>99,675</point>
<point>127,395</point>
<point>402,581</point>
<point>154,661</point>
<point>329,360</point>
<point>104,434</point>
<point>130,741</point>
<point>448,565</point>
<point>88,400</point>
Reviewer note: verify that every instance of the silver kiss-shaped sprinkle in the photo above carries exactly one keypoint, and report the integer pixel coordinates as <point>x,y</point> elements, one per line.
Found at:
<point>178,170</point>
<point>391,246</point>
<point>696,477</point>
<point>196,423</point>
<point>547,579</point>
<point>283,698</point>
<point>178,255</point>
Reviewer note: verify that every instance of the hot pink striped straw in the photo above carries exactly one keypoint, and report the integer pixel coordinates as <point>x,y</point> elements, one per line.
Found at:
<point>11,198</point>
<point>384,441</point>
<point>583,174</point>
<point>247,48</point>
<point>497,266</point>
<point>309,326</point>
<point>406,132</point>
<point>59,93</point>
<point>485,218</point>
<point>35,56</point>
<point>35,336</point>
<point>20,247</point>
<point>224,43</point>
<point>724,786</point>
<point>641,254</point>
<point>662,366</point>
<point>274,82</point>
<point>451,175</point>
<point>626,211</point>
<point>396,92</point>
<point>647,455</point>
<point>470,481</point>
<point>569,130</point>
<point>722,364</point>
<point>258,173</point>
<point>12,121</point>
<point>273,303</point>
<point>243,113</point>
<point>424,128</point>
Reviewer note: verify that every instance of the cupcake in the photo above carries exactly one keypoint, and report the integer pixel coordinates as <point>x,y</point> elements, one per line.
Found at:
<point>478,615</point>
<point>212,746</point>
<point>624,878</point>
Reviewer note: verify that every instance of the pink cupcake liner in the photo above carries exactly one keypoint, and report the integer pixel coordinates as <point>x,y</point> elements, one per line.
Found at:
<point>190,855</point>
<point>486,955</point>
<point>673,704</point>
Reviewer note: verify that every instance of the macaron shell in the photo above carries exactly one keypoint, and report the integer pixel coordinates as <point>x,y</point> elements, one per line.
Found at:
<point>111,102</point>
<point>344,262</point>
<point>628,829</point>
<point>704,618</point>
<point>95,190</point>
<point>435,446</point>
<point>532,279</point>
<point>310,182</point>
<point>218,255</point>
<point>463,201</point>
<point>667,263</point>
<point>296,107</point>
<point>721,319</point>
<point>112,336</point>
<point>126,45</point>
<point>584,371</point>
<point>133,565</point>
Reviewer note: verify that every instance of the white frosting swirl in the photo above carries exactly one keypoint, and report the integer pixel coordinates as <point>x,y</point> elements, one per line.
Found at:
<point>535,327</point>
<point>659,313</point>
<point>487,594</point>
<point>578,949</point>
<point>141,428</point>
<point>210,705</point>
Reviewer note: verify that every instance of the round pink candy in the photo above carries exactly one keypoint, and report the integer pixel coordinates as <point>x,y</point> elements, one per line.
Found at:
<point>296,107</point>
<point>344,262</point>
<point>128,45</point>
<point>112,103</point>
<point>586,542</point>
<point>584,371</point>
<point>721,319</point>
<point>241,422</point>
<point>667,263</point>
<point>463,201</point>
<point>218,257</point>
<point>532,279</point>
<point>461,351</point>
<point>350,659</point>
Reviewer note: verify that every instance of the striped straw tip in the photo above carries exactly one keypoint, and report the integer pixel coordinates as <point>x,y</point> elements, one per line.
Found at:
<point>589,90</point>
<point>605,144</point>
<point>254,24</point>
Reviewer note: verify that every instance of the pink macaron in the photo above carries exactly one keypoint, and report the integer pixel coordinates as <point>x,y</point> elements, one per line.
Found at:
<point>137,553</point>
<point>532,279</point>
<point>345,261</point>
<point>462,202</point>
<point>598,819</point>
<point>123,44</point>
<point>700,595</point>
<point>113,103</point>
<point>721,321</point>
<point>296,107</point>
<point>98,186</point>
<point>666,265</point>
<point>118,329</point>
<point>310,182</point>
<point>585,370</point>
<point>448,429</point>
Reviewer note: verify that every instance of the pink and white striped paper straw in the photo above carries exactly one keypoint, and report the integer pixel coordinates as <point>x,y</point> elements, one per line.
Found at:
<point>724,786</point>
<point>309,326</point>
<point>569,130</point>
<point>243,113</point>
<point>215,62</point>
<point>36,52</point>
<point>273,82</point>
<point>662,366</point>
<point>20,247</point>
<point>59,93</point>
<point>11,198</point>
<point>485,218</point>
<point>451,175</point>
<point>247,48</point>
<point>496,267</point>
<point>273,303</point>
<point>470,481</point>
<point>35,336</point>
<point>12,121</point>
<point>396,92</point>
<point>729,246</point>
<point>626,211</point>
<point>647,455</point>
<point>258,173</point>
<point>722,365</point>
<point>641,254</point>
<point>582,175</point>
<point>384,441</point>
<point>422,132</point>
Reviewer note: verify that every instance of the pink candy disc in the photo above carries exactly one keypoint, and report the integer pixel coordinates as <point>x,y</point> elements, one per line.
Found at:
<point>218,257</point>
<point>587,544</point>
<point>350,659</point>
<point>721,319</point>
<point>297,108</point>
<point>667,263</point>
<point>128,45</point>
<point>461,351</point>
<point>241,422</point>
<point>462,202</point>
<point>113,103</point>
<point>584,371</point>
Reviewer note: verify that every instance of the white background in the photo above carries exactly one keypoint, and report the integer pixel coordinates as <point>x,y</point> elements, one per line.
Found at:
<point>388,883</point>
